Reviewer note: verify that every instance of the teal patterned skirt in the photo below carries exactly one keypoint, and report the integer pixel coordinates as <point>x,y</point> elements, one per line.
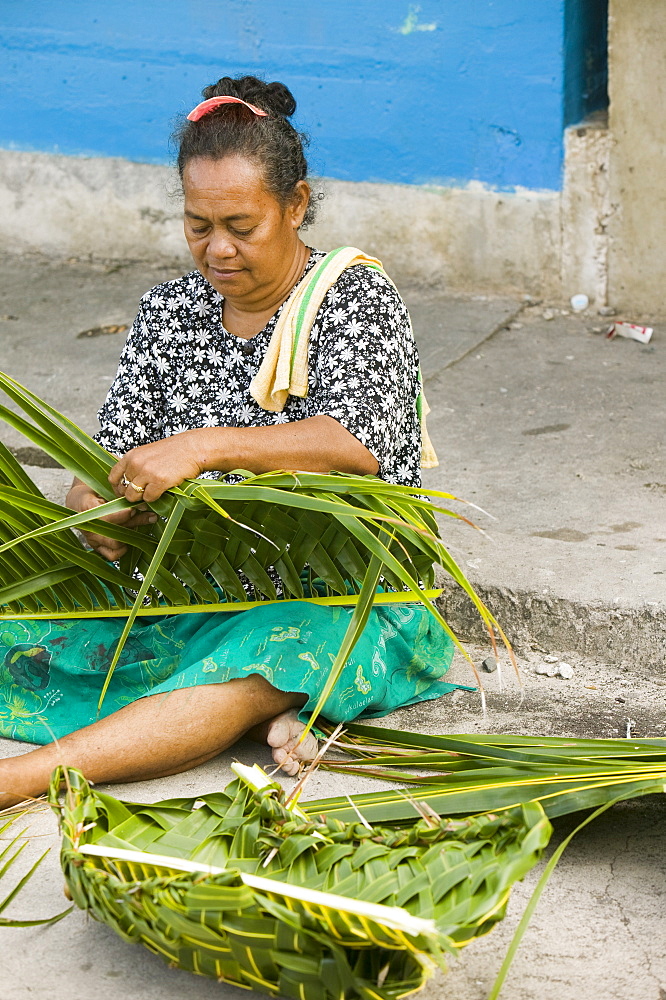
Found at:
<point>52,672</point>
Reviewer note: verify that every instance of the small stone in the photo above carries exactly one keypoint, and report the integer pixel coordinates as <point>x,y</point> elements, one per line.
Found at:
<point>621,700</point>
<point>550,659</point>
<point>542,668</point>
<point>489,665</point>
<point>606,311</point>
<point>566,671</point>
<point>548,314</point>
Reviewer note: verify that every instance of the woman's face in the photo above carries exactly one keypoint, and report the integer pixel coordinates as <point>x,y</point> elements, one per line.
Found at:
<point>242,239</point>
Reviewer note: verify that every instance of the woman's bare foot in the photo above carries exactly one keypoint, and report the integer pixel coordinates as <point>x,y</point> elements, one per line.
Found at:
<point>282,734</point>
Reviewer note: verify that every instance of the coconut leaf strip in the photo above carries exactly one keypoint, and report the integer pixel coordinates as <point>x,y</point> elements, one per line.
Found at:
<point>52,418</point>
<point>357,623</point>
<point>12,471</point>
<point>535,897</point>
<point>146,583</point>
<point>8,858</point>
<point>343,600</point>
<point>64,452</point>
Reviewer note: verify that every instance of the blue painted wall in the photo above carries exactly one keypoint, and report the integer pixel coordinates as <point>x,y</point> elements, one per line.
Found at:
<point>441,91</point>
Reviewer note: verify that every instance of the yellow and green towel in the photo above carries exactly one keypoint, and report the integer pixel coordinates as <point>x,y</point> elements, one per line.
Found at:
<point>284,370</point>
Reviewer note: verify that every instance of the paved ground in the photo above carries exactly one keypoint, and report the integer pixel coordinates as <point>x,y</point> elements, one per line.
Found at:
<point>559,434</point>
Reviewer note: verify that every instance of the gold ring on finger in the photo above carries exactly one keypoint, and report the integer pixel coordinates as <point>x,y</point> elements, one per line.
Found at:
<point>128,482</point>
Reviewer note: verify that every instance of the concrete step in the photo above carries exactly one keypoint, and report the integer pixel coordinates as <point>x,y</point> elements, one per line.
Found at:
<point>558,433</point>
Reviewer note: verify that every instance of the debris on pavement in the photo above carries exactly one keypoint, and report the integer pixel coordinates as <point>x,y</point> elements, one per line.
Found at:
<point>489,664</point>
<point>101,331</point>
<point>566,671</point>
<point>630,330</point>
<point>579,302</point>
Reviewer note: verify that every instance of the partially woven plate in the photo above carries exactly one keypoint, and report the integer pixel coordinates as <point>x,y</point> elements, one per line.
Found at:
<point>260,895</point>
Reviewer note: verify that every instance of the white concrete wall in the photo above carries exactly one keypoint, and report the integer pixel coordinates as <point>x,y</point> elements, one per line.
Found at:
<point>99,207</point>
<point>470,239</point>
<point>586,211</point>
<point>637,85</point>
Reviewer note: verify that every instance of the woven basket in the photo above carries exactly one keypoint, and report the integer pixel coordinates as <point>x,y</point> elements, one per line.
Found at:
<point>450,880</point>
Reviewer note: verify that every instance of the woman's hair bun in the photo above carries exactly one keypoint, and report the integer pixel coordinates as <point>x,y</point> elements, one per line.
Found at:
<point>272,97</point>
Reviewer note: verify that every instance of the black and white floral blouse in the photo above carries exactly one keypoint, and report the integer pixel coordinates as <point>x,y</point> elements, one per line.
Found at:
<point>180,369</point>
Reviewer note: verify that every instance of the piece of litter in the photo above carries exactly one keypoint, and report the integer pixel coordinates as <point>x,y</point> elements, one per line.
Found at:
<point>566,671</point>
<point>630,330</point>
<point>579,302</point>
<point>630,725</point>
<point>591,687</point>
<point>101,331</point>
<point>489,664</point>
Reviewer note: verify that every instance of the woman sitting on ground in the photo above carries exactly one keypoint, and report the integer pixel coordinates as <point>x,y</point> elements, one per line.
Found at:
<point>188,686</point>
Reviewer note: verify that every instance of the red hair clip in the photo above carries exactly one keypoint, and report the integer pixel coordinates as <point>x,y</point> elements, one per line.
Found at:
<point>214,102</point>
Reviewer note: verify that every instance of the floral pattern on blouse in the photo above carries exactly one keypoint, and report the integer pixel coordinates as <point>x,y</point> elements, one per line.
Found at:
<point>180,370</point>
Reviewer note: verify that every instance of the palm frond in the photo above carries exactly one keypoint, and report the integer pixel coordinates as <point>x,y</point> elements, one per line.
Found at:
<point>321,537</point>
<point>237,886</point>
<point>464,774</point>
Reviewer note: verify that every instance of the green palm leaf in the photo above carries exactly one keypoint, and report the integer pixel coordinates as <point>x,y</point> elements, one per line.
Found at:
<point>338,535</point>
<point>465,774</point>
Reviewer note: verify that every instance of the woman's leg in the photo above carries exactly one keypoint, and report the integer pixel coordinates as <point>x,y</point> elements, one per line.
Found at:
<point>152,737</point>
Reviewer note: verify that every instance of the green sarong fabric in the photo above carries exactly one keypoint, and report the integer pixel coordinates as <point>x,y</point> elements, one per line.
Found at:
<point>52,672</point>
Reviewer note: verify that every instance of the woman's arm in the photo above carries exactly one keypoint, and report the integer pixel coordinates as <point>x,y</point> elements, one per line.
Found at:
<point>316,444</point>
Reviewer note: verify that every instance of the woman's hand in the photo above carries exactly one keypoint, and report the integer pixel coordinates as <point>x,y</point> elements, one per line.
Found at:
<point>81,497</point>
<point>144,473</point>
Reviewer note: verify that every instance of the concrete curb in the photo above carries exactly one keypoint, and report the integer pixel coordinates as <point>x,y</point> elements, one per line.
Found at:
<point>633,636</point>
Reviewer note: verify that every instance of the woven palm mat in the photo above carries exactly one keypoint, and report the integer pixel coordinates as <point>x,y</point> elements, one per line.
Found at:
<point>455,872</point>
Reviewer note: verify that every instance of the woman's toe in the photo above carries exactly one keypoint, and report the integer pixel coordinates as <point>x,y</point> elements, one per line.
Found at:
<point>288,764</point>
